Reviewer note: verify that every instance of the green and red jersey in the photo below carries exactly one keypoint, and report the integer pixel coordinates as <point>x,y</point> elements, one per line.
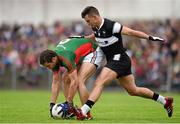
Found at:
<point>74,50</point>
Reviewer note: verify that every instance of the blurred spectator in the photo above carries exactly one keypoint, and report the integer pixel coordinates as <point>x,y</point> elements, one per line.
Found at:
<point>20,45</point>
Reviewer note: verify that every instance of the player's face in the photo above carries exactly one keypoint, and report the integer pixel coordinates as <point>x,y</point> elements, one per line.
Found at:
<point>49,65</point>
<point>52,64</point>
<point>91,20</point>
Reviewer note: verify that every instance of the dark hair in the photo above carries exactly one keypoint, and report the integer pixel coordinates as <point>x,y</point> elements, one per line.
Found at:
<point>46,56</point>
<point>89,10</point>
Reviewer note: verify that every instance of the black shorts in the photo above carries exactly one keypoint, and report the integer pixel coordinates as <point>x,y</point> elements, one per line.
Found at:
<point>121,64</point>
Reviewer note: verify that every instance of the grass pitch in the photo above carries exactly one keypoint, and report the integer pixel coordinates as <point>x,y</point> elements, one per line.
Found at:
<point>112,107</point>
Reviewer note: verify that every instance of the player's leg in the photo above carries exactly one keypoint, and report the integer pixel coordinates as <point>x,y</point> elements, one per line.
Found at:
<point>86,71</point>
<point>128,83</point>
<point>105,77</point>
<point>90,63</point>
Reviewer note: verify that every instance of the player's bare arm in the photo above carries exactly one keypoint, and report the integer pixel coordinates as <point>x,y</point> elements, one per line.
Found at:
<point>55,87</point>
<point>73,85</point>
<point>139,34</point>
<point>72,74</point>
<point>131,32</point>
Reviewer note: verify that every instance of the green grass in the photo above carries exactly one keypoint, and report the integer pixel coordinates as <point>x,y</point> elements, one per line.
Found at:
<point>112,107</point>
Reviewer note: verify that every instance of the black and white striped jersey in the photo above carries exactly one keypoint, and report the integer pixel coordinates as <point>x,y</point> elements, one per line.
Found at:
<point>109,38</point>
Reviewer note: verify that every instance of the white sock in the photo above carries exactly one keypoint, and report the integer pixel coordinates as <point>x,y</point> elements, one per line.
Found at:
<point>85,108</point>
<point>161,100</point>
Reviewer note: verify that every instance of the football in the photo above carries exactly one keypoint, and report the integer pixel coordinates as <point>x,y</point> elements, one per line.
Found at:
<point>59,110</point>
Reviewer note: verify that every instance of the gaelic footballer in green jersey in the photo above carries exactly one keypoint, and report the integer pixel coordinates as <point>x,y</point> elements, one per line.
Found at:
<point>69,54</point>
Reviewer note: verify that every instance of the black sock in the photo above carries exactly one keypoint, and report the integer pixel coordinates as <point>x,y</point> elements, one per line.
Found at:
<point>155,96</point>
<point>89,103</point>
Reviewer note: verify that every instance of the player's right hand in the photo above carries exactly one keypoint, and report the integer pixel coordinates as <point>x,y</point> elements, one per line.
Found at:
<point>50,108</point>
<point>153,38</point>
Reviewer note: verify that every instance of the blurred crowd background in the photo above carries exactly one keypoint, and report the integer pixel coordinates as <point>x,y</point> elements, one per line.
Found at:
<point>154,65</point>
<point>29,26</point>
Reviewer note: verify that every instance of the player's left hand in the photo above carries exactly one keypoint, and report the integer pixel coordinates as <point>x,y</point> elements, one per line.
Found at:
<point>51,106</point>
<point>70,110</point>
<point>153,38</point>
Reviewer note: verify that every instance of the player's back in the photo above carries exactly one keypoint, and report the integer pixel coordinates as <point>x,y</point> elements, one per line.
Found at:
<point>73,44</point>
<point>75,49</point>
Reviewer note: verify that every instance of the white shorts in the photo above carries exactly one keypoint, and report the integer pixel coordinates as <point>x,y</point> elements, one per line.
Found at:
<point>97,57</point>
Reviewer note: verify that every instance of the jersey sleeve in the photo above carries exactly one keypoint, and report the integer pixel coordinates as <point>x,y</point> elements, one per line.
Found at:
<point>117,28</point>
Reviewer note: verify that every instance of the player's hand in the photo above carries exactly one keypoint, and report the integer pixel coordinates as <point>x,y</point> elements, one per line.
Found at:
<point>70,109</point>
<point>65,102</point>
<point>50,108</point>
<point>76,36</point>
<point>163,41</point>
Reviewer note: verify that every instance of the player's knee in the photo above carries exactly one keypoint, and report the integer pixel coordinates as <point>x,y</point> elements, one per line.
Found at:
<point>81,80</point>
<point>74,85</point>
<point>133,92</point>
<point>99,85</point>
<point>81,85</point>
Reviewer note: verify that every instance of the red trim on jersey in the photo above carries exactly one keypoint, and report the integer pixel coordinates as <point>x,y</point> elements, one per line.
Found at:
<point>83,51</point>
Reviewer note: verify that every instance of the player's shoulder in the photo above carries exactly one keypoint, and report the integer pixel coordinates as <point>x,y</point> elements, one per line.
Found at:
<point>79,39</point>
<point>108,21</point>
<point>108,24</point>
<point>111,25</point>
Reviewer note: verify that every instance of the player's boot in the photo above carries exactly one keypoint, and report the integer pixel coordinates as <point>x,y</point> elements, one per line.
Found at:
<point>89,116</point>
<point>79,114</point>
<point>169,106</point>
<point>71,111</point>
